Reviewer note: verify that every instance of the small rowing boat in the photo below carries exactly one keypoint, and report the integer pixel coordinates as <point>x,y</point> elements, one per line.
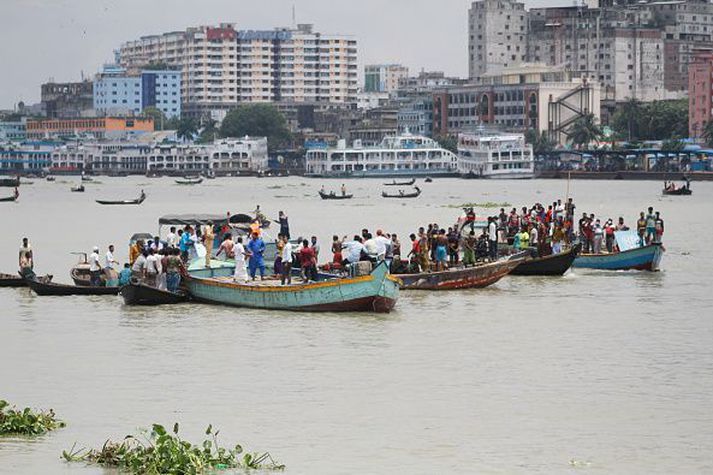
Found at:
<point>475,277</point>
<point>374,292</point>
<point>554,264</point>
<point>401,183</point>
<point>401,194</point>
<point>77,189</point>
<point>8,199</point>
<point>683,191</point>
<point>638,258</point>
<point>46,288</point>
<point>136,293</point>
<point>10,182</point>
<point>190,181</point>
<point>333,196</point>
<point>124,202</point>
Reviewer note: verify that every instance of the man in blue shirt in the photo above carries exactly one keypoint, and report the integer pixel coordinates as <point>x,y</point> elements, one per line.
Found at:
<point>256,249</point>
<point>125,275</point>
<point>185,243</point>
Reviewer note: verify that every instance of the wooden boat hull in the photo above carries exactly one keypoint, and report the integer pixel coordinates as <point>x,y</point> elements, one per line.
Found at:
<point>124,202</point>
<point>411,195</point>
<point>403,183</point>
<point>553,265</point>
<point>10,280</point>
<point>641,258</point>
<point>140,294</point>
<point>48,288</point>
<point>678,192</point>
<point>376,292</point>
<point>326,196</point>
<point>8,199</point>
<point>476,277</point>
<point>189,182</point>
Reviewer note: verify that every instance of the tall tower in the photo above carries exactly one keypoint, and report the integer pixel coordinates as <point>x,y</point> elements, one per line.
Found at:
<point>497,36</point>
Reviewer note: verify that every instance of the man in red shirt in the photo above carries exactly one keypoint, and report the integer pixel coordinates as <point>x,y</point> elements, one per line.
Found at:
<point>308,261</point>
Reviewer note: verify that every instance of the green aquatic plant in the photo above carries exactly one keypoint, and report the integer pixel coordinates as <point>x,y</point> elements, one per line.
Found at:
<point>489,204</point>
<point>26,422</point>
<point>163,452</point>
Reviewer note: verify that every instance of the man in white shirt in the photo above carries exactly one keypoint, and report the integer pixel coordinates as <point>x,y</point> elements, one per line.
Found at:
<point>153,268</point>
<point>109,260</point>
<point>382,243</point>
<point>94,268</point>
<point>241,273</point>
<point>353,250</point>
<point>172,239</point>
<point>24,249</point>
<point>286,261</point>
<point>492,238</point>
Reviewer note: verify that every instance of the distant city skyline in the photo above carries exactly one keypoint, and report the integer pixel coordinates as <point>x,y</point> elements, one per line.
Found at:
<point>65,40</point>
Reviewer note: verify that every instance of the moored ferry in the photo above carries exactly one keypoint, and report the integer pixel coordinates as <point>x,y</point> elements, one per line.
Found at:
<point>404,155</point>
<point>483,155</point>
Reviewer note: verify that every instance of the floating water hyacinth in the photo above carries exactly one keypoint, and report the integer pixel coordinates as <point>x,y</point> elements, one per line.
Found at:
<point>162,452</point>
<point>489,204</point>
<point>26,421</point>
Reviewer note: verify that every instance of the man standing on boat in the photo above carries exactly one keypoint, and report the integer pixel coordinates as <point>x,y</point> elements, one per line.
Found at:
<point>256,249</point>
<point>241,274</point>
<point>94,268</point>
<point>492,239</point>
<point>109,260</point>
<point>25,249</point>
<point>344,190</point>
<point>208,237</point>
<point>284,224</point>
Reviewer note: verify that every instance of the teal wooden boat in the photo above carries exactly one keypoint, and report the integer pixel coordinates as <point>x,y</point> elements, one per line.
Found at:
<point>639,258</point>
<point>375,292</point>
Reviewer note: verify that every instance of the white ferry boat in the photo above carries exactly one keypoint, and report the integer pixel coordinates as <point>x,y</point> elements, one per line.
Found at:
<point>482,155</point>
<point>405,155</point>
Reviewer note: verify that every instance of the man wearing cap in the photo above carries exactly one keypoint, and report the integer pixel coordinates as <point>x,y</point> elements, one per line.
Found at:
<point>95,268</point>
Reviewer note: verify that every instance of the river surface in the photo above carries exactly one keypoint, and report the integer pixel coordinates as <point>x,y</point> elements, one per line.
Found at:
<point>594,372</point>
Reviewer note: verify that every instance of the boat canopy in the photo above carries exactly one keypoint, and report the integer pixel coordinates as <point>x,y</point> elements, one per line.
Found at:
<point>202,219</point>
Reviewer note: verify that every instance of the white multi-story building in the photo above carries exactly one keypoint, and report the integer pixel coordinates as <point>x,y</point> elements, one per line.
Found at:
<point>222,66</point>
<point>497,36</point>
<point>244,156</point>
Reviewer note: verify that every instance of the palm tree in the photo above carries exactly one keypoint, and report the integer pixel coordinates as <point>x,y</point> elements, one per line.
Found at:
<point>631,113</point>
<point>584,131</point>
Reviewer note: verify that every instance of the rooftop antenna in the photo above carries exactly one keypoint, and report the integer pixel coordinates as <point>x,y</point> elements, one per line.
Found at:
<point>294,17</point>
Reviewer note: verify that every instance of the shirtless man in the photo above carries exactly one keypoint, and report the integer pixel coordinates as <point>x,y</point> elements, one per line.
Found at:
<point>227,247</point>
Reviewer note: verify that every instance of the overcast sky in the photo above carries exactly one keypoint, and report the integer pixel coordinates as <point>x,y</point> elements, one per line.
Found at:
<point>61,39</point>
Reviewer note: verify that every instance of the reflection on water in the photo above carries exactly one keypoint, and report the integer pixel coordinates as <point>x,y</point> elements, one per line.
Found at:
<point>521,377</point>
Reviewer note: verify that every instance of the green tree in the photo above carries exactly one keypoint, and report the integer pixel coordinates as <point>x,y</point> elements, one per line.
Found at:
<point>657,120</point>
<point>208,132</point>
<point>626,119</point>
<point>540,141</point>
<point>448,142</point>
<point>186,128</point>
<point>257,120</point>
<point>584,131</point>
<point>159,118</point>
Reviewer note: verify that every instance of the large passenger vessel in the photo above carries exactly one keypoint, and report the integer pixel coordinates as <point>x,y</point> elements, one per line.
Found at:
<point>483,155</point>
<point>404,155</point>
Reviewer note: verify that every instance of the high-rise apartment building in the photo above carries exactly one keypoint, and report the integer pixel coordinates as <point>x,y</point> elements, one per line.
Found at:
<point>66,99</point>
<point>383,77</point>
<point>222,66</point>
<point>700,91</point>
<point>497,32</point>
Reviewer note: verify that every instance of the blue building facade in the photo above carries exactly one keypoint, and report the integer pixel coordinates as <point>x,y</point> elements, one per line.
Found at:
<point>162,90</point>
<point>118,93</point>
